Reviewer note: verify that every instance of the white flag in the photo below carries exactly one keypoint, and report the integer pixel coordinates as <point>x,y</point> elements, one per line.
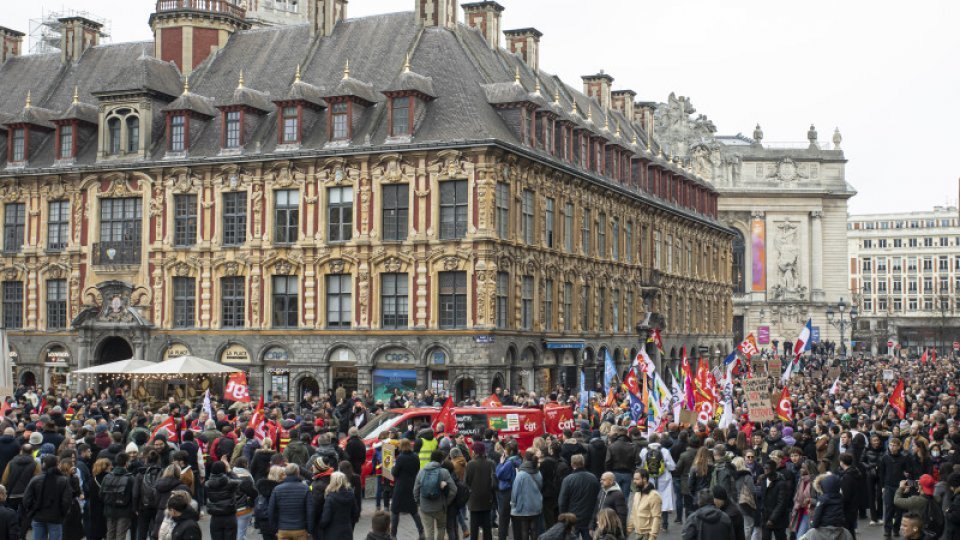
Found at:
<point>207,407</point>
<point>787,372</point>
<point>726,418</point>
<point>835,387</point>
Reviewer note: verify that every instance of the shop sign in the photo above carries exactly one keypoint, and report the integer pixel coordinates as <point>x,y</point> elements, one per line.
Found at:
<point>276,354</point>
<point>235,354</point>
<point>58,356</point>
<point>343,355</point>
<point>176,350</point>
<point>398,356</point>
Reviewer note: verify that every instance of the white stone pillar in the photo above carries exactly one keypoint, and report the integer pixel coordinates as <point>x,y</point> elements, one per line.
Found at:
<point>816,251</point>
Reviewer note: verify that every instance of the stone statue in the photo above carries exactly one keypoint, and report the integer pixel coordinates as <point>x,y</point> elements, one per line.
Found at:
<point>788,255</point>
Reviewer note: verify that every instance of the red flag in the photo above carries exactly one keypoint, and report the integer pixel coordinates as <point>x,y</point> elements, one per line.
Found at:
<point>491,401</point>
<point>4,408</point>
<point>784,407</point>
<point>658,339</point>
<point>256,420</point>
<point>630,381</point>
<point>557,418</point>
<point>237,389</point>
<point>749,346</point>
<point>446,417</point>
<point>923,357</point>
<point>169,425</point>
<point>933,356</point>
<point>897,401</point>
<point>43,405</point>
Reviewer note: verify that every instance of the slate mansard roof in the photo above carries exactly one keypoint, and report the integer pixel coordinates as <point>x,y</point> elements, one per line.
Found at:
<point>465,78</point>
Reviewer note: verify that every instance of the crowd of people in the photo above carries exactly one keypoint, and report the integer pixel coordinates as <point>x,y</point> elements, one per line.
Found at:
<point>98,466</point>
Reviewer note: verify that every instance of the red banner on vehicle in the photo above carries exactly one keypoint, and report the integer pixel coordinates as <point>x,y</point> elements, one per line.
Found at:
<point>557,418</point>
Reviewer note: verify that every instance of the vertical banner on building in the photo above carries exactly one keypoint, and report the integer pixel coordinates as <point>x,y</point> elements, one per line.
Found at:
<point>758,239</point>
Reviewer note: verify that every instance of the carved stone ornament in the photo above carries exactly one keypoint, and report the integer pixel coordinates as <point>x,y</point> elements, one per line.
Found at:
<point>231,269</point>
<point>336,266</point>
<point>788,171</point>
<point>10,274</point>
<point>119,187</point>
<point>450,263</point>
<point>392,264</point>
<point>283,268</point>
<point>181,269</point>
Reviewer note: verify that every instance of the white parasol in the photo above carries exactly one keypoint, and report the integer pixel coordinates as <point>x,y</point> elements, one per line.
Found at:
<point>184,365</point>
<point>123,366</point>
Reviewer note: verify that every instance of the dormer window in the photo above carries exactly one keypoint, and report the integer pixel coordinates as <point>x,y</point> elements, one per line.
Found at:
<point>178,133</point>
<point>401,111</point>
<point>65,140</point>
<point>133,134</point>
<point>340,121</point>
<point>231,122</point>
<point>18,144</point>
<point>113,136</point>
<point>123,132</point>
<point>291,126</point>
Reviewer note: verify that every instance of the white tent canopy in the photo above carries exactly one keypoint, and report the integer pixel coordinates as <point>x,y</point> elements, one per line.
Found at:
<point>123,366</point>
<point>184,365</point>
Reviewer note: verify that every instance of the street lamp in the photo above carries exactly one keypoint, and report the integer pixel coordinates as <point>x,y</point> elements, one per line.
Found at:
<point>841,323</point>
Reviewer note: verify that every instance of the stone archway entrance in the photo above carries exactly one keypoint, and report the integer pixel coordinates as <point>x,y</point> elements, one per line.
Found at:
<point>113,349</point>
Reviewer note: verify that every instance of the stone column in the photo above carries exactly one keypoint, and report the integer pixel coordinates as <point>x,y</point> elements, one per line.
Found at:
<point>816,252</point>
<point>83,360</point>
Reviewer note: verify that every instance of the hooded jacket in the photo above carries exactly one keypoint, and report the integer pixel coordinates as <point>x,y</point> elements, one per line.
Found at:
<point>222,495</point>
<point>829,510</point>
<point>447,494</point>
<point>708,522</point>
<point>185,526</point>
<point>526,498</point>
<point>18,474</point>
<point>340,511</point>
<point>614,499</point>
<point>622,455</point>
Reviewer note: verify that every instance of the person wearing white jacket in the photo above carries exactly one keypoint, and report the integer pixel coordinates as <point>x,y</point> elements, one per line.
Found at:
<point>663,481</point>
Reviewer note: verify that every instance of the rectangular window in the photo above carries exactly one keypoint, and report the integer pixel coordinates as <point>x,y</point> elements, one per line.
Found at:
<point>897,242</point>
<point>568,227</point>
<point>503,211</point>
<point>585,233</point>
<point>234,218</point>
<point>232,302</point>
<point>602,301</point>
<point>897,265</point>
<point>628,242</point>
<point>14,226</point>
<point>396,211</point>
<point>394,300</point>
<point>656,250</point>
<point>286,216</point>
<point>58,225</point>
<point>897,304</point>
<point>286,310</point>
<point>339,214</point>
<point>113,136</point>
<point>586,309</point>
<point>339,300</point>
<point>184,220</point>
<point>184,302</point>
<point>912,242</point>
<point>615,239</point>
<point>503,299</point>
<point>567,306</point>
<point>18,145</point>
<point>340,118</point>
<point>927,264</point>
<point>120,224</point>
<point>526,305</point>
<point>56,304</point>
<point>12,304</point>
<point>178,123</point>
<point>615,304</point>
<point>943,264</point>
<point>232,129</point>
<point>526,223</point>
<point>291,126</point>
<point>400,118</point>
<point>453,209</point>
<point>66,141</point>
<point>628,312</point>
<point>548,305</point>
<point>897,285</point>
<point>602,236</point>
<point>669,248</point>
<point>453,299</point>
<point>549,214</point>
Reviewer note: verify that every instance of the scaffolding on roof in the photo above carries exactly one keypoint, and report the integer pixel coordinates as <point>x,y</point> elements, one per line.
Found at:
<point>46,32</point>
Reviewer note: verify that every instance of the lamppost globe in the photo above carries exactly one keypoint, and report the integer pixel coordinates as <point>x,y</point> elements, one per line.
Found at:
<point>830,314</point>
<point>854,314</point>
<point>842,306</point>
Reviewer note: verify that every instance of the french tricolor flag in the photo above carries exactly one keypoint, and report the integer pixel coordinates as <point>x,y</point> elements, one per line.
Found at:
<point>802,344</point>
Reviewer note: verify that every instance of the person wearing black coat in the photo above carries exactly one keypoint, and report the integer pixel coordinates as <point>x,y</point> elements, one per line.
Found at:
<point>852,488</point>
<point>48,498</point>
<point>610,496</point>
<point>578,494</point>
<point>479,477</point>
<point>9,447</point>
<point>184,517</point>
<point>721,499</point>
<point>597,456</point>
<point>356,451</point>
<point>221,493</point>
<point>894,467</point>
<point>168,483</point>
<point>404,473</point>
<point>265,489</point>
<point>9,520</point>
<point>551,488</point>
<point>871,461</point>
<point>622,458</point>
<point>776,503</point>
<point>829,511</point>
<point>340,511</point>
<point>708,521</point>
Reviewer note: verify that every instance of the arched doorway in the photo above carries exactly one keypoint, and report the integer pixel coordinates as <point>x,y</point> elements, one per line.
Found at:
<point>466,388</point>
<point>113,349</point>
<point>307,384</point>
<point>28,379</point>
<point>497,383</point>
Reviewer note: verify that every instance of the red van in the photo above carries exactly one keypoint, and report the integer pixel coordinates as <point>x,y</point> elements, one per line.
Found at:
<point>524,425</point>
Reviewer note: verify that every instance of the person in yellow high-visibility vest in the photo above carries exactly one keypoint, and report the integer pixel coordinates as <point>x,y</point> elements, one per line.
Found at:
<point>425,445</point>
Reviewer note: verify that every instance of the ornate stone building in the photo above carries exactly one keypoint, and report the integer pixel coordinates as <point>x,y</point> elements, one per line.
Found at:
<point>391,201</point>
<point>787,203</point>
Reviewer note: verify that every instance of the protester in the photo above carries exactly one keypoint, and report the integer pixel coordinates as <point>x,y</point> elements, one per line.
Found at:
<point>612,497</point>
<point>563,529</point>
<point>526,500</point>
<point>479,479</point>
<point>291,509</point>
<point>47,500</point>
<point>434,490</point>
<point>405,475</point>
<point>119,492</point>
<point>645,507</point>
<point>340,511</point>
<point>708,521</point>
<point>184,517</point>
<point>578,495</point>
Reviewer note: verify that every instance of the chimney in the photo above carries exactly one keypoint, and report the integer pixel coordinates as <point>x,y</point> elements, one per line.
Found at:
<point>10,43</point>
<point>623,102</point>
<point>325,14</point>
<point>442,13</point>
<point>78,35</point>
<point>526,43</point>
<point>485,16</point>
<point>598,86</point>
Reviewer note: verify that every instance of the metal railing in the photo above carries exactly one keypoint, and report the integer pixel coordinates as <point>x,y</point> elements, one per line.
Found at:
<point>116,253</point>
<point>210,6</point>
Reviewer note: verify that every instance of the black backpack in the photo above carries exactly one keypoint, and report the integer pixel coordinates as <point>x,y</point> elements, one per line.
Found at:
<point>933,521</point>
<point>116,491</point>
<point>261,509</point>
<point>463,495</point>
<point>149,496</point>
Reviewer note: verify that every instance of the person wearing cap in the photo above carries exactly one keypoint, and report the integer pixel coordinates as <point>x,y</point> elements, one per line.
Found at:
<point>36,441</point>
<point>915,498</point>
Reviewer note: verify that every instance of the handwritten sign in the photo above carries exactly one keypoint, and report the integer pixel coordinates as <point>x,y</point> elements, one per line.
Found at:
<point>774,367</point>
<point>389,453</point>
<point>758,401</point>
<point>471,425</point>
<point>888,375</point>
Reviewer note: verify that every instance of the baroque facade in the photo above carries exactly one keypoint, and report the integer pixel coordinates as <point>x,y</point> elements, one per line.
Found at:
<point>435,212</point>
<point>905,278</point>
<point>787,203</point>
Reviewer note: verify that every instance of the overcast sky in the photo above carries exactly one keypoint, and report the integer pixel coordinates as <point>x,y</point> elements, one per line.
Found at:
<point>885,74</point>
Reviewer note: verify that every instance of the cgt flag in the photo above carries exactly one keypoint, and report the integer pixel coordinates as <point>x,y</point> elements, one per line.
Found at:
<point>237,389</point>
<point>446,417</point>
<point>491,401</point>
<point>898,401</point>
<point>784,407</point>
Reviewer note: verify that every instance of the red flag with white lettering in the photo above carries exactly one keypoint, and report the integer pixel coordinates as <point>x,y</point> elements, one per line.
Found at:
<point>784,407</point>
<point>446,417</point>
<point>237,389</point>
<point>491,401</point>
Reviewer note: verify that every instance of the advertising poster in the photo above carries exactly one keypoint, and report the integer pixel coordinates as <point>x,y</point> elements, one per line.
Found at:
<point>386,380</point>
<point>763,335</point>
<point>758,243</point>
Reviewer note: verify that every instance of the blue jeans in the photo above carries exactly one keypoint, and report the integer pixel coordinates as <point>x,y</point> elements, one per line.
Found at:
<point>47,531</point>
<point>623,480</point>
<point>243,523</point>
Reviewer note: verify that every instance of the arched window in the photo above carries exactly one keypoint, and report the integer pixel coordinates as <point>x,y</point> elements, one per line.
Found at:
<point>113,136</point>
<point>738,274</point>
<point>133,134</point>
